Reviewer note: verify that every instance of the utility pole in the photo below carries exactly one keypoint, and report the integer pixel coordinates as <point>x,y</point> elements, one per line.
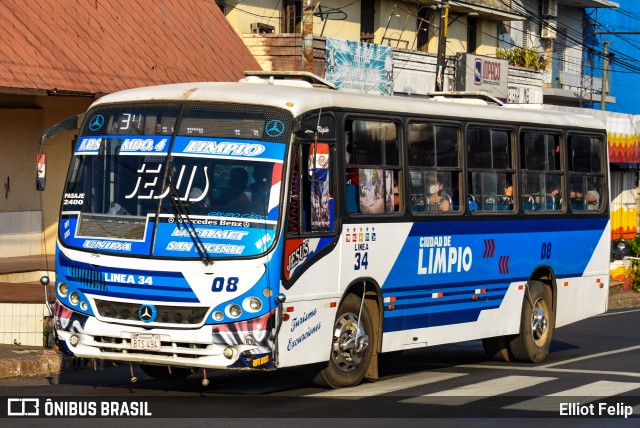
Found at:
<point>307,37</point>
<point>442,45</point>
<point>603,86</point>
<point>605,63</point>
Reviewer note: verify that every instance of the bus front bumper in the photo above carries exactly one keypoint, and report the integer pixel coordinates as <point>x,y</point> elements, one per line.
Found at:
<point>87,337</point>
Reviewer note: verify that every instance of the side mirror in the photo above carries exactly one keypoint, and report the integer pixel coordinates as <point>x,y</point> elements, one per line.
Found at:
<point>41,171</point>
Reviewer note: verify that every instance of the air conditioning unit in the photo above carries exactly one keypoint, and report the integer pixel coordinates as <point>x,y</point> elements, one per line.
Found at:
<point>259,27</point>
<point>550,8</point>
<point>549,29</point>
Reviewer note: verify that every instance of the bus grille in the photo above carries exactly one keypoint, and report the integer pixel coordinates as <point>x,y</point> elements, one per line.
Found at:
<point>89,278</point>
<point>121,311</point>
<point>109,226</point>
<point>173,349</point>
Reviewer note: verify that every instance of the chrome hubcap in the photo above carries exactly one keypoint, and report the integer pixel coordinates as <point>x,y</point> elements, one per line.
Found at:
<point>349,345</point>
<point>539,321</point>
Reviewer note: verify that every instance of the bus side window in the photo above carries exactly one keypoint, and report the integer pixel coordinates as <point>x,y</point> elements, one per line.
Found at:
<point>491,170</point>
<point>352,176</point>
<point>372,172</point>
<point>352,197</point>
<point>586,174</point>
<point>434,168</point>
<point>542,174</point>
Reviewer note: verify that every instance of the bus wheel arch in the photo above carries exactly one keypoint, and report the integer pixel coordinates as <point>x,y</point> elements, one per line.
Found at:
<point>501,348</point>
<point>354,356</point>
<point>545,275</point>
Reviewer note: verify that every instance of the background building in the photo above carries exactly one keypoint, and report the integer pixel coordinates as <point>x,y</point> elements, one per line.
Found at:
<point>56,57</point>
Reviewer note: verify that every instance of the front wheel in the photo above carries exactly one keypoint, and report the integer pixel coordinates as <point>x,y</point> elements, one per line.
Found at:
<point>351,347</point>
<point>536,325</point>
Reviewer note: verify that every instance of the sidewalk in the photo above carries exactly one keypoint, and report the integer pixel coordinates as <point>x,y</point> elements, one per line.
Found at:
<point>24,361</point>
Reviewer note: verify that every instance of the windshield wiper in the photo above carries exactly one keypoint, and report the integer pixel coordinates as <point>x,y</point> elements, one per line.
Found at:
<point>181,215</point>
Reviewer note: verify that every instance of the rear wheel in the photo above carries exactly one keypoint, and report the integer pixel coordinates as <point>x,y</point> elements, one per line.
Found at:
<point>351,349</point>
<point>536,325</point>
<point>163,372</point>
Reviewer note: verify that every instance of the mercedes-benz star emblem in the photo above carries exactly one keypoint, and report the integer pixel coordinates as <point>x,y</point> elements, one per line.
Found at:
<point>274,128</point>
<point>96,122</point>
<point>147,313</point>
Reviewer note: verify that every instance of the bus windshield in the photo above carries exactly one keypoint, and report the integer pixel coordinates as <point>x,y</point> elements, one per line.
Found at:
<point>160,188</point>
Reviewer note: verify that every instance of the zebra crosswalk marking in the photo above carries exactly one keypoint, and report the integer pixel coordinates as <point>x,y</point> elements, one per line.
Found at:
<point>387,386</point>
<point>478,391</point>
<point>583,394</point>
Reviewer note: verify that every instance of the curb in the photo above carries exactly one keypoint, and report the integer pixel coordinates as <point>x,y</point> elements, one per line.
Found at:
<point>624,300</point>
<point>46,363</point>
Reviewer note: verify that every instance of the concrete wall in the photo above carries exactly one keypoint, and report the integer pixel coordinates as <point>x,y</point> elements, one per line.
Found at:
<point>25,212</point>
<point>58,152</point>
<point>242,14</point>
<point>22,323</point>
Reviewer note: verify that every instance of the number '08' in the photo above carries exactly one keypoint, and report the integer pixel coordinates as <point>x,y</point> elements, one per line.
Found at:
<point>221,283</point>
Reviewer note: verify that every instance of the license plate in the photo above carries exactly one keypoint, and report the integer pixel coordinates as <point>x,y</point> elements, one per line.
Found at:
<point>145,342</point>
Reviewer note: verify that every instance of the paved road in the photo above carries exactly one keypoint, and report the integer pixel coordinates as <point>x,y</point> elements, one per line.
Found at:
<point>592,370</point>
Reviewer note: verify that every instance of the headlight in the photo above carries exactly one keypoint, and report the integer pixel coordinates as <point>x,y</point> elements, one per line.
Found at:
<point>234,311</point>
<point>255,304</point>
<point>252,304</point>
<point>218,316</point>
<point>74,298</point>
<point>63,289</point>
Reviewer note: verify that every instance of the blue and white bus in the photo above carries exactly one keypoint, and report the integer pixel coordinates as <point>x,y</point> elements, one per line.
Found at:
<point>273,222</point>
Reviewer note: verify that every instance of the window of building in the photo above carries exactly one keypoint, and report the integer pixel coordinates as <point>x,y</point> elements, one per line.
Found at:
<point>422,25</point>
<point>292,19</point>
<point>367,21</point>
<point>472,31</point>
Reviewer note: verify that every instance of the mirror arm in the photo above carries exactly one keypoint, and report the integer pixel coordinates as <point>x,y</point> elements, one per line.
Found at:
<point>71,123</point>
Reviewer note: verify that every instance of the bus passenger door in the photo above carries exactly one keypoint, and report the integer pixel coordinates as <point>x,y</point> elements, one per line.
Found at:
<point>310,266</point>
<point>310,229</point>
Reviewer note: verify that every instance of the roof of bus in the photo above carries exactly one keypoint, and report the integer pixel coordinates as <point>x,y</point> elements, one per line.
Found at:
<point>299,97</point>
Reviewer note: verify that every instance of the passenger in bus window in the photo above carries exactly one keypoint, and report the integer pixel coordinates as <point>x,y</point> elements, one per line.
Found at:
<point>506,201</point>
<point>396,192</point>
<point>553,198</point>
<point>593,197</point>
<point>238,178</point>
<point>261,186</point>
<point>589,200</point>
<point>438,199</point>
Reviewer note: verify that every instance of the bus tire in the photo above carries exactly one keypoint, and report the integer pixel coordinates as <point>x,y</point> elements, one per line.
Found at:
<point>536,325</point>
<point>163,372</point>
<point>349,358</point>
<point>497,348</point>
